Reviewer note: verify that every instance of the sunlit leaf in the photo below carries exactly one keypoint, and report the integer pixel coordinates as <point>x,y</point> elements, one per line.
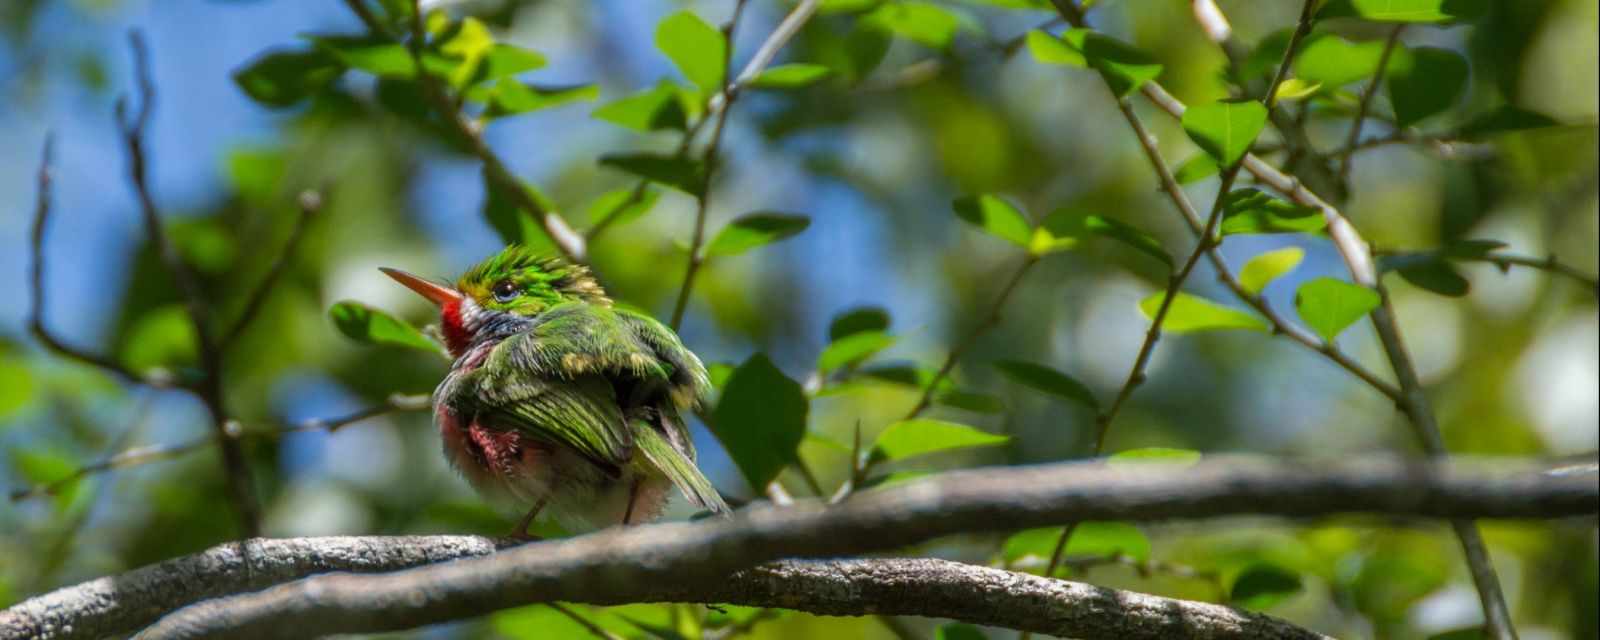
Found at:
<point>504,60</point>
<point>1329,306</point>
<point>996,216</point>
<point>1405,10</point>
<point>16,383</point>
<point>1067,223</point>
<point>650,110</point>
<point>377,56</point>
<point>924,23</point>
<point>1197,168</point>
<point>1255,211</point>
<point>697,48</point>
<point>1263,585</point>
<point>1048,380</point>
<point>853,349</point>
<point>362,323</point>
<point>1425,83</point>
<point>791,76</point>
<point>1225,129</point>
<point>1192,313</point>
<point>511,97</point>
<point>1049,49</point>
<point>922,436</point>
<point>755,229</point>
<point>1292,89</point>
<point>1335,62</point>
<point>1263,269</point>
<point>760,419</point>
<point>1095,539</point>
<point>1157,455</point>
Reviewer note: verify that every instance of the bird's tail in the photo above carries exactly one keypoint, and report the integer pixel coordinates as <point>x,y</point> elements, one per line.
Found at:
<point>679,469</point>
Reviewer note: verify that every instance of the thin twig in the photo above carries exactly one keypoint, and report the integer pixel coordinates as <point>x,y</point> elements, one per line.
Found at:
<point>310,202</point>
<point>591,627</point>
<point>1367,94</point>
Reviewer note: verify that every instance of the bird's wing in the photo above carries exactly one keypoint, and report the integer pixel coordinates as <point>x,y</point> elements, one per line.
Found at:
<point>678,466</point>
<point>582,414</point>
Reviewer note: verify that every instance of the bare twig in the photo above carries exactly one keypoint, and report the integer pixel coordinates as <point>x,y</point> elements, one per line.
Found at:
<point>1548,263</point>
<point>693,561</point>
<point>1367,94</point>
<point>310,203</point>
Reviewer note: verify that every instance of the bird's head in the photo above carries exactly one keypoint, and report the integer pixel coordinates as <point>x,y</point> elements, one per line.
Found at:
<point>515,282</point>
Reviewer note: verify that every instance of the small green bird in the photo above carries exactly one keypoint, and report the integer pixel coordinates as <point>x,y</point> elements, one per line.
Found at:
<point>559,400</point>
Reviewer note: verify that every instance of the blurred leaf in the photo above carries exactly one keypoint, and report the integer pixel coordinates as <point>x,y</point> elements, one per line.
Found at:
<point>1335,62</point>
<point>1471,248</point>
<point>362,323</point>
<point>1225,129</point>
<point>1294,89</point>
<point>969,401</point>
<point>1329,306</point>
<point>504,60</point>
<point>280,78</point>
<point>46,466</point>
<point>1197,168</point>
<point>864,48</point>
<point>1263,269</point>
<point>1404,10</point>
<point>650,110</point>
<point>1425,83</point>
<point>924,23</point>
<point>719,372</point>
<point>760,420</point>
<point>512,97</point>
<point>1095,539</point>
<point>469,45</point>
<point>514,224</point>
<point>922,436</point>
<point>1255,211</point>
<point>1124,67</point>
<point>1048,380</point>
<point>697,48</point>
<point>790,76</point>
<point>1192,313</point>
<point>957,631</point>
<point>1263,585</point>
<point>852,349</point>
<point>1037,543</point>
<point>1162,455</point>
<point>621,206</point>
<point>161,337</point>
<point>377,56</point>
<point>858,320</point>
<point>1067,223</point>
<point>257,173</point>
<point>1049,49</point>
<point>1506,119</point>
<point>16,384</point>
<point>755,229</point>
<point>995,216</point>
<point>1436,275</point>
<point>1466,633</point>
<point>682,174</point>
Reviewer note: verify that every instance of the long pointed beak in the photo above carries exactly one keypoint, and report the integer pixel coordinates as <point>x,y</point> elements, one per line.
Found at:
<point>434,292</point>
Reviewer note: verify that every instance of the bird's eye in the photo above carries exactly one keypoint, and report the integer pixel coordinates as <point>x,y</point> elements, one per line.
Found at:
<point>505,291</point>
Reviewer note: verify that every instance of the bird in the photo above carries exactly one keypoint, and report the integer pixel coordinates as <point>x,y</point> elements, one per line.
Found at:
<point>560,401</point>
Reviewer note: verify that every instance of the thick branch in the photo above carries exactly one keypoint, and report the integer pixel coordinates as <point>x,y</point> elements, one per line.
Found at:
<point>625,565</point>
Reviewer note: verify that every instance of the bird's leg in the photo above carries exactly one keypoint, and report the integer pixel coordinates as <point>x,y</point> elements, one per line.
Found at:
<point>521,532</point>
<point>633,495</point>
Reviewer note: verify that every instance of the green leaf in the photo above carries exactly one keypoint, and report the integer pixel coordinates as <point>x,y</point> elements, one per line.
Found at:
<point>1425,83</point>
<point>1225,129</point>
<point>161,337</point>
<point>924,23</point>
<point>281,78</point>
<point>1329,306</point>
<point>1262,585</point>
<point>957,631</point>
<point>1048,380</point>
<point>790,76</point>
<point>362,323</point>
<point>1108,538</point>
<point>1255,211</point>
<point>504,60</point>
<point>512,97</point>
<point>44,467</point>
<point>969,401</point>
<point>514,224</point>
<point>679,173</point>
<point>755,229</point>
<point>622,206</point>
<point>1506,119</point>
<point>922,436</point>
<point>858,320</point>
<point>468,46</point>
<point>852,349</point>
<point>1195,169</point>
<point>1192,313</point>
<point>995,216</point>
<point>696,47</point>
<point>761,420</point>
<point>1294,89</point>
<point>1124,67</point>
<point>1464,633</point>
<point>16,383</point>
<point>1436,275</point>
<point>377,56</point>
<point>1263,269</point>
<point>1160,455</point>
<point>1049,49</point>
<point>651,110</point>
<point>719,372</point>
<point>1036,543</point>
<point>864,48</point>
<point>1066,223</point>
<point>1335,62</point>
<point>1404,10</point>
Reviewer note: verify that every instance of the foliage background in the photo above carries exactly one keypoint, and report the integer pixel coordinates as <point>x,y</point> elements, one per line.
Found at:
<point>874,161</point>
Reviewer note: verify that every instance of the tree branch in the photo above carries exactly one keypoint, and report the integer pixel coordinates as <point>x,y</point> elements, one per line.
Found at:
<point>638,563</point>
<point>310,202</point>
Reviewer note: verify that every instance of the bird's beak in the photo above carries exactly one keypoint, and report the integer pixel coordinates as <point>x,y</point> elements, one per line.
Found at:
<point>434,292</point>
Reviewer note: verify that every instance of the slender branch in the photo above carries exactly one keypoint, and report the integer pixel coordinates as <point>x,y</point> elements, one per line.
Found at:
<point>1367,94</point>
<point>676,561</point>
<point>151,453</point>
<point>1548,263</point>
<point>36,289</point>
<point>310,203</point>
